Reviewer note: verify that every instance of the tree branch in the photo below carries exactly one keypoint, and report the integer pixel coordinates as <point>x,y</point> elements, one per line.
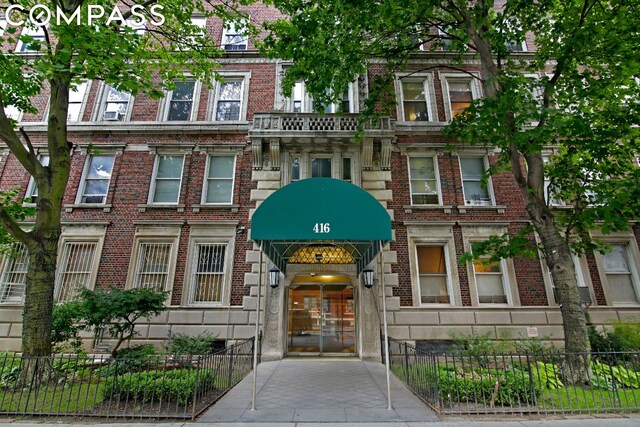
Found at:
<point>13,227</point>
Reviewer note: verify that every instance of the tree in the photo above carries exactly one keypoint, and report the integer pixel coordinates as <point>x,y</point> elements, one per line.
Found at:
<point>106,49</point>
<point>118,310</point>
<point>584,103</point>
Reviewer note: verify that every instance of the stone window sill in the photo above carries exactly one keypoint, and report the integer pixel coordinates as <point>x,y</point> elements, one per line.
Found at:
<point>411,208</point>
<point>498,208</point>
<point>232,208</point>
<point>176,206</point>
<point>104,207</point>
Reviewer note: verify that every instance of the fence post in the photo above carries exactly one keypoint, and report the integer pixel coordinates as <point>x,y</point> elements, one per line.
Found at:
<point>406,363</point>
<point>231,366</point>
<point>195,389</point>
<point>531,385</point>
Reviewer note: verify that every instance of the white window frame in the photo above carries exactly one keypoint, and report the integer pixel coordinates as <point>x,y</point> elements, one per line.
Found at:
<point>85,173</point>
<point>547,183</point>
<point>89,234</point>
<point>154,178</point>
<point>429,92</point>
<point>477,233</point>
<point>420,233</point>
<point>633,260</point>
<point>582,277</point>
<point>31,187</point>
<point>236,28</point>
<point>219,232</point>
<point>205,181</point>
<point>446,78</point>
<point>485,161</point>
<point>83,102</point>
<point>8,274</point>
<point>436,171</point>
<point>155,234</point>
<point>36,32</point>
<point>447,262</point>
<point>102,102</point>
<point>245,77</point>
<point>165,105</point>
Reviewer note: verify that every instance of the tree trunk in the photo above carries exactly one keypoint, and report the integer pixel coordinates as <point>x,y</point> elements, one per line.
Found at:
<point>38,304</point>
<point>559,260</point>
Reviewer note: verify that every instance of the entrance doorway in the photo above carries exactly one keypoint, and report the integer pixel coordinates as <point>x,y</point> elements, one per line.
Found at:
<point>321,320</point>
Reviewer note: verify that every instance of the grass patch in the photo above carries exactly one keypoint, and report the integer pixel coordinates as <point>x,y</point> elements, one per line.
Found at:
<point>58,399</point>
<point>590,399</point>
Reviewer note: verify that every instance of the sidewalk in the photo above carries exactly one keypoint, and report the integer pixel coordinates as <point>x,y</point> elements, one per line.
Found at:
<point>319,390</point>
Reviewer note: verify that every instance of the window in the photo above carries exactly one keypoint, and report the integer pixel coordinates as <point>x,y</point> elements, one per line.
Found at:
<point>489,282</point>
<point>219,182</point>
<point>181,98</point>
<point>75,269</point>
<point>460,96</point>
<point>76,101</point>
<point>549,190</point>
<point>14,275</point>
<point>34,39</point>
<point>619,274</point>
<point>168,179</point>
<point>116,105</point>
<point>339,165</point>
<point>152,267</point>
<point>229,100</point>
<point>234,37</point>
<point>321,168</point>
<point>459,92</point>
<point>12,112</point>
<point>346,169</point>
<point>208,277</point>
<point>424,183</point>
<point>415,107</point>
<point>96,178</point>
<point>32,188</point>
<point>432,273</point>
<point>517,46</point>
<point>475,193</point>
<point>298,98</point>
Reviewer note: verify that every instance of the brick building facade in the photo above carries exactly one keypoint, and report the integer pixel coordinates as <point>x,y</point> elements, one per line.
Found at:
<point>162,193</point>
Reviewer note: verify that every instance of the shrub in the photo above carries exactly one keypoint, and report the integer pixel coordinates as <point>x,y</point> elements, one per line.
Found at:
<point>476,347</point>
<point>623,337</point>
<point>604,376</point>
<point>175,386</point>
<point>479,386</point>
<point>66,324</point>
<point>10,366</point>
<point>538,349</point>
<point>185,345</point>
<point>545,375</point>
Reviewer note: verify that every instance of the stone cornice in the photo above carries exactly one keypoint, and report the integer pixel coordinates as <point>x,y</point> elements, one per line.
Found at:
<point>146,128</point>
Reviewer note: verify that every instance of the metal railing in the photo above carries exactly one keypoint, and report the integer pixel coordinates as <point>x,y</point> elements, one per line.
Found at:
<point>545,382</point>
<point>101,386</point>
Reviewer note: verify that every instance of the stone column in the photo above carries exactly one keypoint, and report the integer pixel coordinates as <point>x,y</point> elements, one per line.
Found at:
<point>369,324</point>
<point>273,336</point>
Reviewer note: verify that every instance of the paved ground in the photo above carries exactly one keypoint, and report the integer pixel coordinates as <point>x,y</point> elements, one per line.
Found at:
<point>320,390</point>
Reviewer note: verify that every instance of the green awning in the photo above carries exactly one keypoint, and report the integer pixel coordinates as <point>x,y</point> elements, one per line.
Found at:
<point>314,215</point>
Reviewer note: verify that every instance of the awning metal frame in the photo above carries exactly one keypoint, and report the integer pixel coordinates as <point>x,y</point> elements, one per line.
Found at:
<point>280,252</point>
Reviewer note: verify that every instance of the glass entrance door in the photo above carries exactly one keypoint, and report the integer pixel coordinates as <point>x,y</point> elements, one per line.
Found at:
<point>321,320</point>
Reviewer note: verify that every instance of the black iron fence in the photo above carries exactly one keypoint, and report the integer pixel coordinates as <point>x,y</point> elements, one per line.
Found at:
<point>545,382</point>
<point>101,386</point>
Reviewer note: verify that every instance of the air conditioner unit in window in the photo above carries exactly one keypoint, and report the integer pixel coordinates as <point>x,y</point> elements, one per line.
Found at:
<point>112,116</point>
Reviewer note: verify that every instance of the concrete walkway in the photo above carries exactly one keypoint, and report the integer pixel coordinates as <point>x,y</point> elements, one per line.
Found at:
<point>319,390</point>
